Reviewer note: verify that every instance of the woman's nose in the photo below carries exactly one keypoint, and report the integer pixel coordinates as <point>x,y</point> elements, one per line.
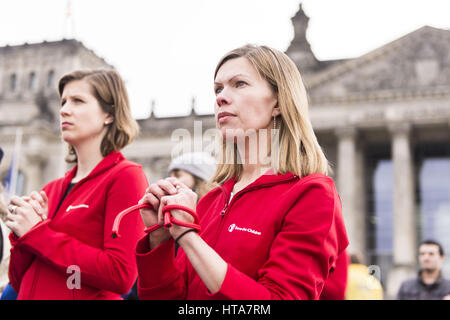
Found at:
<point>222,99</point>
<point>65,110</point>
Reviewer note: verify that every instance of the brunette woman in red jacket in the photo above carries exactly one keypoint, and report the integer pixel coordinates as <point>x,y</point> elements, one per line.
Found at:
<point>273,229</point>
<point>62,246</point>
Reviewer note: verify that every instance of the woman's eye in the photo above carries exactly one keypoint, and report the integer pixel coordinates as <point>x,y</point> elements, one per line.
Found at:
<point>78,100</point>
<point>240,83</point>
<point>217,90</point>
<point>63,103</point>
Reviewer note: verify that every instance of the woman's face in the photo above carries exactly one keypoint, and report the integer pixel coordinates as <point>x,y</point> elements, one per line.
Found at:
<point>81,116</point>
<point>244,100</point>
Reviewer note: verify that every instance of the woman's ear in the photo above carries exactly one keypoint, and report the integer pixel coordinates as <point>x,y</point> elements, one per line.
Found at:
<point>109,119</point>
<point>276,111</point>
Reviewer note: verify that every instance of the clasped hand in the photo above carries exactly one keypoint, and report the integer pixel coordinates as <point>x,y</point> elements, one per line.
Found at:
<point>27,211</point>
<point>168,191</point>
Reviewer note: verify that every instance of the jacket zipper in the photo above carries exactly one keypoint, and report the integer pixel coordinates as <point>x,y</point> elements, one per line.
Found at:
<point>76,186</point>
<point>238,195</point>
<point>70,194</point>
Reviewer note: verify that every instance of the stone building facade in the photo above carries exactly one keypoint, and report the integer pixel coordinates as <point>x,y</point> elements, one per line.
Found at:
<point>383,120</point>
<point>29,100</point>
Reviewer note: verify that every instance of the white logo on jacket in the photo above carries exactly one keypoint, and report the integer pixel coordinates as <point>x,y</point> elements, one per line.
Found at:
<point>76,207</point>
<point>233,227</point>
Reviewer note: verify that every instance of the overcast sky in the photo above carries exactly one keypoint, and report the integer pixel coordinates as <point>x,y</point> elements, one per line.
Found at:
<point>166,50</point>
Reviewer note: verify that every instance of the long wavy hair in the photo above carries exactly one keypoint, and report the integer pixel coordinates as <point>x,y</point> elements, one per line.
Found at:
<point>300,152</point>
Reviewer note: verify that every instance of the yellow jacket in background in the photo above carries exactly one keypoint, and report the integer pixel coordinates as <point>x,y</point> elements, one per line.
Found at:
<point>361,285</point>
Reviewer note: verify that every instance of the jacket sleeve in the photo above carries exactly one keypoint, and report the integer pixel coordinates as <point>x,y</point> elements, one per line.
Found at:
<point>20,259</point>
<point>19,262</point>
<point>161,275</point>
<point>306,247</point>
<point>336,283</point>
<point>112,267</point>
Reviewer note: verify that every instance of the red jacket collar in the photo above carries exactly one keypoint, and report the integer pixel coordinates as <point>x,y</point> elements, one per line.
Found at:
<point>109,161</point>
<point>268,178</point>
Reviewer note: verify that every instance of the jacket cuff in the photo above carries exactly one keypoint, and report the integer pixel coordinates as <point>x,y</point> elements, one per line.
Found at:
<point>155,266</point>
<point>238,286</point>
<point>13,238</point>
<point>34,236</point>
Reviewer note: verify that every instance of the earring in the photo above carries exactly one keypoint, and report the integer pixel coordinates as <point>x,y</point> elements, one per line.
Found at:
<point>274,122</point>
<point>106,123</point>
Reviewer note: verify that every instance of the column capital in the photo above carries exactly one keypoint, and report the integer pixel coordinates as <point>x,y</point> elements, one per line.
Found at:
<point>400,128</point>
<point>34,158</point>
<point>346,132</point>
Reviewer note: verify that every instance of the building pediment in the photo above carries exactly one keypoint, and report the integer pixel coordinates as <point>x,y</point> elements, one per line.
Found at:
<point>417,64</point>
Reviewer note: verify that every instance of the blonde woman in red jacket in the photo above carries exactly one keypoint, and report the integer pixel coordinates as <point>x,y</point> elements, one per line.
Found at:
<point>273,229</point>
<point>62,245</point>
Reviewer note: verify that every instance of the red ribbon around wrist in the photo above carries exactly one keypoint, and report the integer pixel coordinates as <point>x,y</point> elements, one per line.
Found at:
<point>168,219</point>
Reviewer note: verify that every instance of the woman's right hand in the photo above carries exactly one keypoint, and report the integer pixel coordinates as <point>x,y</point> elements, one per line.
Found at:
<point>39,202</point>
<point>150,217</point>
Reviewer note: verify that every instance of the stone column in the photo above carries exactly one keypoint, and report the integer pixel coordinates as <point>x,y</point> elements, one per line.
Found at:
<point>33,173</point>
<point>361,201</point>
<point>348,185</point>
<point>404,238</point>
<point>53,168</point>
<point>2,76</point>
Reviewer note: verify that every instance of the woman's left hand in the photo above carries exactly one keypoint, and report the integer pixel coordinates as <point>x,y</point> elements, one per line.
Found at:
<point>185,197</point>
<point>21,217</point>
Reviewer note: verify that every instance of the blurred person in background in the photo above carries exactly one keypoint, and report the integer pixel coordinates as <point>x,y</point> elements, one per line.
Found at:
<point>430,283</point>
<point>6,291</point>
<point>194,170</point>
<point>4,242</point>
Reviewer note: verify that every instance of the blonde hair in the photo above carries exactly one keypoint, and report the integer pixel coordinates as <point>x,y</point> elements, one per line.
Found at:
<point>300,152</point>
<point>109,89</point>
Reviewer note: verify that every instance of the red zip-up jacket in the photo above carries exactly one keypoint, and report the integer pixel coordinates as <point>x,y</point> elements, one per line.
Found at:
<point>79,234</point>
<point>280,237</point>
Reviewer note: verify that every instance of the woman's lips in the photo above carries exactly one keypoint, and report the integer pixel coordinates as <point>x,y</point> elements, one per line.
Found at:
<point>224,119</point>
<point>65,125</point>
